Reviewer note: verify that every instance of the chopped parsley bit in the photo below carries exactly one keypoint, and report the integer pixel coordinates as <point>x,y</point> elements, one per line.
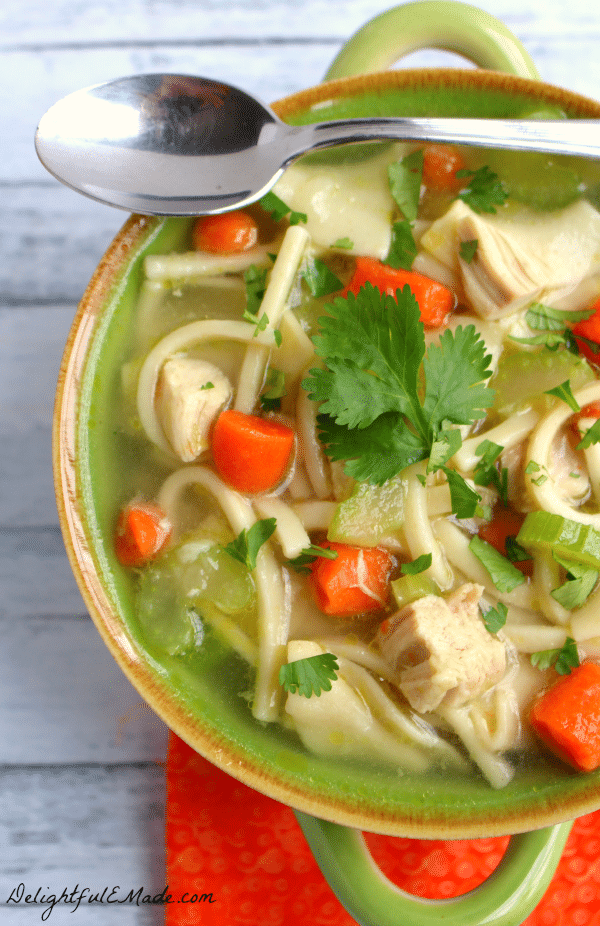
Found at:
<point>503,574</point>
<point>533,467</point>
<point>565,393</point>
<point>591,436</point>
<point>514,551</point>
<point>486,472</point>
<point>405,183</point>
<point>581,581</point>
<point>420,564</point>
<point>309,676</point>
<point>246,545</point>
<point>255,279</point>
<point>207,386</point>
<point>278,210</point>
<point>403,248</point>
<point>345,243</point>
<point>320,279</point>
<point>495,618</point>
<point>553,323</point>
<point>405,178</point>
<point>304,561</point>
<point>260,323</point>
<point>466,502</point>
<point>563,659</point>
<point>386,400</point>
<point>270,399</point>
<point>485,190</point>
<point>468,249</point>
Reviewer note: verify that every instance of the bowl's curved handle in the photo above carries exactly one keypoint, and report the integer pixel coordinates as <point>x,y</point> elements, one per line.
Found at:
<point>507,897</point>
<point>445,24</point>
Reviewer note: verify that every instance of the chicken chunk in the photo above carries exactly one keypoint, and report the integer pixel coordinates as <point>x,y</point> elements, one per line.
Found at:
<point>520,254</point>
<point>440,650</point>
<point>190,393</point>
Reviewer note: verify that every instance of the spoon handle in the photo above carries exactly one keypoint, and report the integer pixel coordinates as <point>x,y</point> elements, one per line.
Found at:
<point>565,136</point>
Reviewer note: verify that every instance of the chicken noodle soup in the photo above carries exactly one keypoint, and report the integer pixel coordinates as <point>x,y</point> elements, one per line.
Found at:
<point>369,413</point>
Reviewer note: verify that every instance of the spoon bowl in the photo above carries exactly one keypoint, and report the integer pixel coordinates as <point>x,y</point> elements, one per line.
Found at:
<point>168,144</point>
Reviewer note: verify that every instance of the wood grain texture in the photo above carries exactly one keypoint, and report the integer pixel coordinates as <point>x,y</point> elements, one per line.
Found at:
<point>81,793</point>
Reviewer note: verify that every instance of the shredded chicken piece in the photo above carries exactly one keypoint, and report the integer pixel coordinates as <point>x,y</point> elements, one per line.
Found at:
<point>190,393</point>
<point>521,254</point>
<point>440,650</point>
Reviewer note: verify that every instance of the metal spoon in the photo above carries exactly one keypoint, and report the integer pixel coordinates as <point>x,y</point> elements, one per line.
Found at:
<point>166,144</point>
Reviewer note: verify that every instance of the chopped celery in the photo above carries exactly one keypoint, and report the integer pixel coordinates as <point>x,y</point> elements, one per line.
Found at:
<point>522,378</point>
<point>186,584</point>
<point>571,540</point>
<point>409,588</point>
<point>371,513</point>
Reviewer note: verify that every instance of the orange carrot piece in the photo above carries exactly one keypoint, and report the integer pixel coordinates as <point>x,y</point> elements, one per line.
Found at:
<point>440,164</point>
<point>251,453</point>
<point>505,523</point>
<point>566,717</point>
<point>228,233</point>
<point>435,300</point>
<point>355,582</point>
<point>142,531</point>
<point>589,328</point>
<point>590,411</point>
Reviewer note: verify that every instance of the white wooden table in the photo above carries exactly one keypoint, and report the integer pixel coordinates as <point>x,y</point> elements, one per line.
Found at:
<point>81,779</point>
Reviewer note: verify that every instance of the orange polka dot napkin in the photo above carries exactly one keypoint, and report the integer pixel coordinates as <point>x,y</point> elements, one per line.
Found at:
<point>238,858</point>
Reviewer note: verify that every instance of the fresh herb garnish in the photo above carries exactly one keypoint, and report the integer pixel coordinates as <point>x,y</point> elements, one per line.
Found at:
<point>486,472</point>
<point>484,191</point>
<point>255,279</point>
<point>403,248</point>
<point>468,250</point>
<point>553,323</point>
<point>345,243</point>
<point>208,385</point>
<point>309,676</point>
<point>246,545</point>
<point>533,467</point>
<point>581,581</point>
<point>405,183</point>
<point>565,393</point>
<point>259,323</point>
<point>514,551</point>
<point>320,279</point>
<point>466,502</point>
<point>503,574</point>
<point>278,210</point>
<point>563,659</point>
<point>270,399</point>
<point>591,436</point>
<point>307,557</point>
<point>385,399</point>
<point>420,564</point>
<point>495,618</point>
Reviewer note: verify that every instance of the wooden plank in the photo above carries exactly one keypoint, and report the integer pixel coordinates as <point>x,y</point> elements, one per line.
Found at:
<point>61,688</point>
<point>92,826</point>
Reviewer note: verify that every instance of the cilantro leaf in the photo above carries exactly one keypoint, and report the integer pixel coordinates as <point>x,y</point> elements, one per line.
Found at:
<point>465,500</point>
<point>271,398</point>
<point>563,659</point>
<point>495,618</point>
<point>309,676</point>
<point>542,317</point>
<point>255,279</point>
<point>591,436</point>
<point>581,581</point>
<point>514,551</point>
<point>307,557</point>
<point>278,210</point>
<point>503,574</point>
<point>405,183</point>
<point>486,473</point>
<point>564,392</point>
<point>345,243</point>
<point>370,387</point>
<point>403,247</point>
<point>485,190</point>
<point>320,279</point>
<point>468,250</point>
<point>246,545</point>
<point>420,564</point>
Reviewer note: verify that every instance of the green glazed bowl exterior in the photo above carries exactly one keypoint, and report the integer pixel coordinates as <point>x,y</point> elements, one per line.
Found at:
<point>200,700</point>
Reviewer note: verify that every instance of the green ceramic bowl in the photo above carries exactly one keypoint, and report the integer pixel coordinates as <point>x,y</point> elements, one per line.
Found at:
<point>200,700</point>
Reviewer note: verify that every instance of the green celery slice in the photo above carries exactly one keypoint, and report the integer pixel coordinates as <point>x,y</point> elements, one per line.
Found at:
<point>542,530</point>
<point>371,513</point>
<point>410,588</point>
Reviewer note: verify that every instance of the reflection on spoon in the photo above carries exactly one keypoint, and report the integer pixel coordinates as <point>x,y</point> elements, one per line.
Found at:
<point>167,144</point>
